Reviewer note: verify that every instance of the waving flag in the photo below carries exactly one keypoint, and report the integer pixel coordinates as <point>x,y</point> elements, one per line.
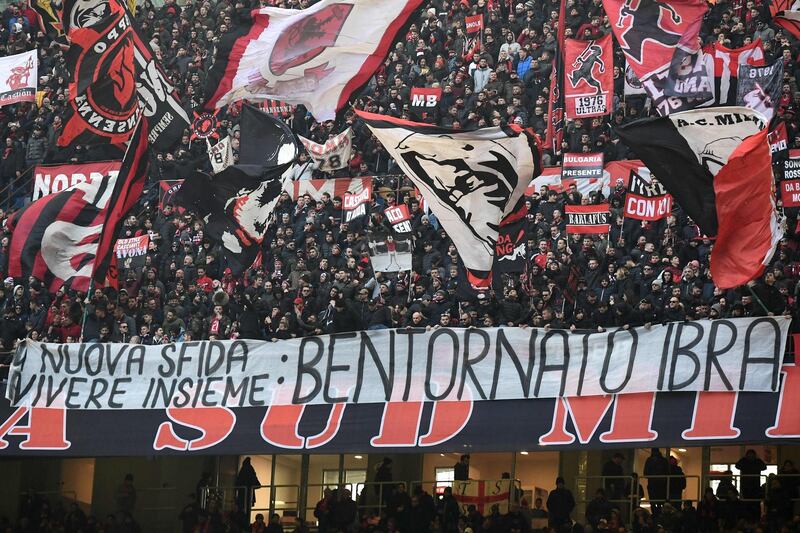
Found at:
<point>115,78</point>
<point>786,14</point>
<point>716,163</point>
<point>473,181</point>
<point>237,206</point>
<point>649,33</point>
<point>317,56</point>
<point>102,105</point>
<point>69,237</point>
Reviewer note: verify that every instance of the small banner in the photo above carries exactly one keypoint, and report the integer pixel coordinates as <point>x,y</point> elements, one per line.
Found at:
<point>474,24</point>
<point>425,100</point>
<point>579,165</point>
<point>400,219</point>
<point>790,193</point>
<point>791,168</point>
<point>646,200</point>
<point>49,179</point>
<point>759,88</point>
<point>131,252</point>
<point>221,155</point>
<point>356,205</point>
<point>483,495</point>
<point>589,77</point>
<point>133,247</point>
<point>18,78</point>
<point>587,218</point>
<point>332,155</point>
<point>509,252</point>
<point>778,139</point>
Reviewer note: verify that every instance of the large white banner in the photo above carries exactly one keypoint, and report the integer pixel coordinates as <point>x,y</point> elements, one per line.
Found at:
<point>18,78</point>
<point>742,354</point>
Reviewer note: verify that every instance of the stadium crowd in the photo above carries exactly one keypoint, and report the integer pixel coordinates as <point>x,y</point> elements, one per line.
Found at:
<point>315,275</point>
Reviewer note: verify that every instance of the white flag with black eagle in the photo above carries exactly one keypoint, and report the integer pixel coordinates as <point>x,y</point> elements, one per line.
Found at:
<point>473,181</point>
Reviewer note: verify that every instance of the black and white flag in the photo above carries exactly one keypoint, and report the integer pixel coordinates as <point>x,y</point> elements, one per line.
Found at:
<point>759,88</point>
<point>473,181</point>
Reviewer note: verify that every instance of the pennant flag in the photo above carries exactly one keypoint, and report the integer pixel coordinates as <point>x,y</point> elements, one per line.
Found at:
<point>115,78</point>
<point>332,155</point>
<point>587,218</point>
<point>68,237</point>
<point>18,78</point>
<point>646,200</point>
<point>649,33</point>
<point>759,88</point>
<point>317,57</point>
<point>221,155</point>
<point>689,152</point>
<point>265,140</point>
<point>389,240</point>
<point>237,206</point>
<point>580,165</point>
<point>589,77</point>
<point>473,181</point>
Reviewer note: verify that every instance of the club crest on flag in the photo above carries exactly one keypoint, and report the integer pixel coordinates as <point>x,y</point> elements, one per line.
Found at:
<point>20,75</point>
<point>204,126</point>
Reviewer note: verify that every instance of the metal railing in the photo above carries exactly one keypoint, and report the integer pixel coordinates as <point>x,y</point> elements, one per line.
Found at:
<point>627,498</point>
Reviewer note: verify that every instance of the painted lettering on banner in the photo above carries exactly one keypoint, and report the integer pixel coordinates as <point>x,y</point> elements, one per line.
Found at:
<point>742,354</point>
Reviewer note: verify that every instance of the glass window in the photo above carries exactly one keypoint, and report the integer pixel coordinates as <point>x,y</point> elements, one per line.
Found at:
<point>444,478</point>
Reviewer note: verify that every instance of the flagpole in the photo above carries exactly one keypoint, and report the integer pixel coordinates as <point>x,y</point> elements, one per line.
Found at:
<point>556,86</point>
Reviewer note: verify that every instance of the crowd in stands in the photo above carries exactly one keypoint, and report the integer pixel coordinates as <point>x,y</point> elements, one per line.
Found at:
<point>315,276</point>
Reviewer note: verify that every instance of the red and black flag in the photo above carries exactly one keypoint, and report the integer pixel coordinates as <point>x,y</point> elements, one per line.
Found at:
<point>115,78</point>
<point>716,163</point>
<point>649,33</point>
<point>589,77</point>
<point>68,237</point>
<point>474,181</point>
<point>102,107</point>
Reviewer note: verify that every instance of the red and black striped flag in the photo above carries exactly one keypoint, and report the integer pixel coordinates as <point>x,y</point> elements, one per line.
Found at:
<point>68,237</point>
